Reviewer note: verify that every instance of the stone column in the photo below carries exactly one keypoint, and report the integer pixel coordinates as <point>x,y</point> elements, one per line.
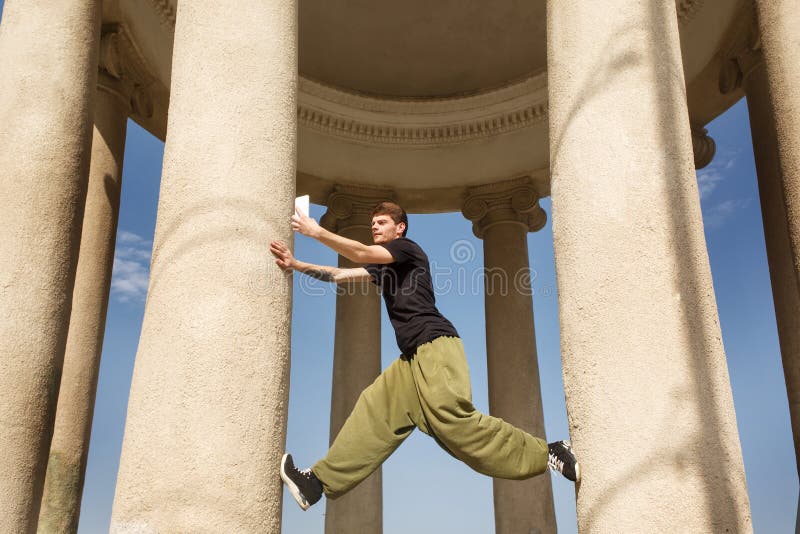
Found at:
<point>648,394</point>
<point>746,67</point>
<point>206,422</point>
<point>356,355</point>
<point>779,23</point>
<point>48,61</point>
<point>502,215</point>
<point>66,467</point>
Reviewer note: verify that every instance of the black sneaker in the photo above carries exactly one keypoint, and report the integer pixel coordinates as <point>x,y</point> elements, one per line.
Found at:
<point>562,459</point>
<point>303,485</point>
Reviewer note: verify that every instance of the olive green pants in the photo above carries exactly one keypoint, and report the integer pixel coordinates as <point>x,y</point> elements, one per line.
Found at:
<point>430,391</point>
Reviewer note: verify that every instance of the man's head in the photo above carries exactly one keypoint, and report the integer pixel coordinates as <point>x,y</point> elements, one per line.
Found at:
<point>389,222</point>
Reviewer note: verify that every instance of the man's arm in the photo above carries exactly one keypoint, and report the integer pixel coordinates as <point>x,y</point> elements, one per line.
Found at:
<point>336,275</point>
<point>286,261</point>
<point>354,251</point>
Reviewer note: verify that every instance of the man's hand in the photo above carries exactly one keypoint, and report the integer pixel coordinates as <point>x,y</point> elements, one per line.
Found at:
<point>305,225</point>
<point>284,257</point>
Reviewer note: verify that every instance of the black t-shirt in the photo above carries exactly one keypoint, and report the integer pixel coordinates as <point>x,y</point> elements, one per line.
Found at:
<point>408,292</point>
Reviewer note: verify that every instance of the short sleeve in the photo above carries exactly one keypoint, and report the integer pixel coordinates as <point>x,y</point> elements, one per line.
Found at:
<point>402,250</point>
<point>374,271</point>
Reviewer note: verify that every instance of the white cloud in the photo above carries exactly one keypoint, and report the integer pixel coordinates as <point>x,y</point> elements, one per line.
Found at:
<point>707,180</point>
<point>131,273</point>
<point>712,176</point>
<point>715,216</point>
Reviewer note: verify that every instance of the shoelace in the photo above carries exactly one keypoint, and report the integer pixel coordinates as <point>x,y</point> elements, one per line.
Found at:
<point>554,463</point>
<point>307,474</point>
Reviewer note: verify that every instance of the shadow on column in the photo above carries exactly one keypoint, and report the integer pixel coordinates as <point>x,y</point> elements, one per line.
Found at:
<point>720,494</point>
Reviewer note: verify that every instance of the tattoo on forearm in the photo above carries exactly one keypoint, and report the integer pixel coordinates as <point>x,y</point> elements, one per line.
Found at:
<point>320,274</point>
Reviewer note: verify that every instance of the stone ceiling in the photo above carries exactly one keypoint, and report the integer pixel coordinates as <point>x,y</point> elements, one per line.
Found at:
<point>418,48</point>
<point>425,98</point>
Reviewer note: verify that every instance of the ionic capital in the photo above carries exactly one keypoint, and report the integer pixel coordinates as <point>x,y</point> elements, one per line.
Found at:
<point>514,202</point>
<point>123,72</point>
<point>743,54</point>
<point>350,207</point>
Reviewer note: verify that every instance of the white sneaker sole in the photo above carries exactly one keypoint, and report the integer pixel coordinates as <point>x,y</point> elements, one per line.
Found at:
<point>293,489</point>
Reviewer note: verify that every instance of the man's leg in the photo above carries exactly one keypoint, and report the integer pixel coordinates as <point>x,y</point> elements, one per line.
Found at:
<point>384,415</point>
<point>487,444</point>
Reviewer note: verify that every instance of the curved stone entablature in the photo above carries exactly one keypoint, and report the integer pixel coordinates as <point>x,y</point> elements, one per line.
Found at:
<point>438,144</point>
<point>422,122</point>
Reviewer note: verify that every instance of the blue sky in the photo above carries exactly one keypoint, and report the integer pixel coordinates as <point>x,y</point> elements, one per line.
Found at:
<point>419,476</point>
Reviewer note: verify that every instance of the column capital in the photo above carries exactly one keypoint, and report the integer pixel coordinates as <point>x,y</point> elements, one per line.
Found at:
<point>515,201</point>
<point>350,206</point>
<point>123,71</point>
<point>703,146</point>
<point>742,55</point>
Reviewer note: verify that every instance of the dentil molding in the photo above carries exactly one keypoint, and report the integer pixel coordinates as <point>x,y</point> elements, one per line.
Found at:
<point>422,122</point>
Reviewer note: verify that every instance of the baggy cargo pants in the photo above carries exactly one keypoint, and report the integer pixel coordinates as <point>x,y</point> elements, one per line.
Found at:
<point>430,391</point>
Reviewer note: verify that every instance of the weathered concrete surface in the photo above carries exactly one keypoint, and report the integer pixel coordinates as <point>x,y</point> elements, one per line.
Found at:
<point>48,61</point>
<point>779,22</point>
<point>66,468</point>
<point>207,413</point>
<point>501,216</point>
<point>648,394</point>
<point>785,290</point>
<point>356,364</point>
<point>513,372</point>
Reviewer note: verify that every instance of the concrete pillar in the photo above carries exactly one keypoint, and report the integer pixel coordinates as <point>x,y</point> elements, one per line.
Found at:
<point>748,68</point>
<point>206,422</point>
<point>648,394</point>
<point>356,355</point>
<point>48,61</point>
<point>502,215</point>
<point>66,466</point>
<point>779,23</point>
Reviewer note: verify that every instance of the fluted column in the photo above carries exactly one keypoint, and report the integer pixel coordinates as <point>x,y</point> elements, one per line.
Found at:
<point>66,467</point>
<point>48,61</point>
<point>356,355</point>
<point>206,419</point>
<point>746,68</point>
<point>502,216</point>
<point>648,394</point>
<point>779,24</point>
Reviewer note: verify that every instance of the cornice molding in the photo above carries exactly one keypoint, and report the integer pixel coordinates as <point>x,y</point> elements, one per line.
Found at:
<point>121,60</point>
<point>422,122</point>
<point>350,206</point>
<point>514,201</point>
<point>742,53</point>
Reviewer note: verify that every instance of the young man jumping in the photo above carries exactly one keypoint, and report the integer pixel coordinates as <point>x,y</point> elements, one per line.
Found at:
<point>428,387</point>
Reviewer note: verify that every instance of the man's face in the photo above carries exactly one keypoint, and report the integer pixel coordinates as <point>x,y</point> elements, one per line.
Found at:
<point>384,229</point>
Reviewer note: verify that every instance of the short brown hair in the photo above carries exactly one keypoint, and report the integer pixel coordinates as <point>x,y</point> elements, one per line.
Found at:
<point>394,211</point>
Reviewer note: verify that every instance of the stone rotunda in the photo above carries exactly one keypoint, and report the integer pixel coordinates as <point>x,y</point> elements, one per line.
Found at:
<point>477,107</point>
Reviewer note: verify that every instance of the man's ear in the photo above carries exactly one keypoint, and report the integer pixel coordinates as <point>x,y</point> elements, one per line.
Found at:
<point>402,227</point>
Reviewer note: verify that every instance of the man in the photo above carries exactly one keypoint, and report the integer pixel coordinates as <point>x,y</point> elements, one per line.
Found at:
<point>428,387</point>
